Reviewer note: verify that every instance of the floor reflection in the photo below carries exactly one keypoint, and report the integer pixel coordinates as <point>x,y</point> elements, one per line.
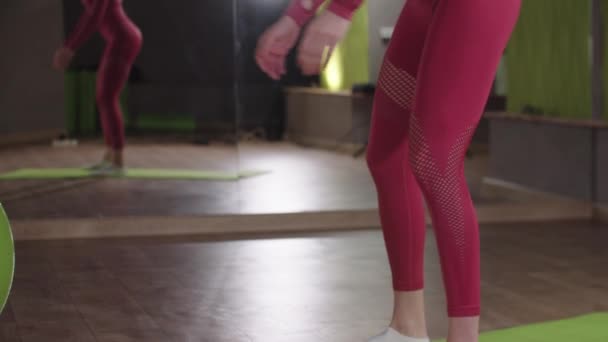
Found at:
<point>326,288</point>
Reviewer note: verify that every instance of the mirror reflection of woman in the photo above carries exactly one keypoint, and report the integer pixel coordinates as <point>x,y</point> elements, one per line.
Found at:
<point>432,89</point>
<point>123,44</point>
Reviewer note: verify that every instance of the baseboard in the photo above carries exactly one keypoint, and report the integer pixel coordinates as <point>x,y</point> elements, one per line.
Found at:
<point>514,191</point>
<point>539,212</point>
<point>28,137</point>
<point>325,144</point>
<point>541,209</point>
<point>202,225</point>
<point>308,222</point>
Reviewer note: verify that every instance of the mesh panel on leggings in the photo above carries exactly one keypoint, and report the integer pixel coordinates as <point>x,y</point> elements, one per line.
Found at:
<point>442,185</point>
<point>399,85</point>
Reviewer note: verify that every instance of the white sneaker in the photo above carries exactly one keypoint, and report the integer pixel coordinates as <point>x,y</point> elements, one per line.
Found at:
<point>108,169</point>
<point>392,335</point>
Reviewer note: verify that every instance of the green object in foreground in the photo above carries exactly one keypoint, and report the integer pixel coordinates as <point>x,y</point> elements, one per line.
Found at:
<point>589,328</point>
<point>7,258</point>
<point>176,174</point>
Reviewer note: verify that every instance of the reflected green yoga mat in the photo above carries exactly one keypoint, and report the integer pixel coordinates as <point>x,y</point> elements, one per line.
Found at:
<point>589,328</point>
<point>175,174</point>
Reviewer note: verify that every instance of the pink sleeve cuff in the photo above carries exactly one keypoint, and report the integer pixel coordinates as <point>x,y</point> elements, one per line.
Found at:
<point>302,10</point>
<point>344,8</point>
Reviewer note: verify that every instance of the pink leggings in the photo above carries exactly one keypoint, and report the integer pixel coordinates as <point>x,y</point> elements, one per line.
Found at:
<point>432,89</point>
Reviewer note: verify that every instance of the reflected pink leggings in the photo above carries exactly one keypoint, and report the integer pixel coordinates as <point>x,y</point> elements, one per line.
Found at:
<point>432,89</point>
<point>124,42</point>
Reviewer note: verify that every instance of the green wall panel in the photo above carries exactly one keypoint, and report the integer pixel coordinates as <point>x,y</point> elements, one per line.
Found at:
<point>350,62</point>
<point>71,101</point>
<point>548,64</point>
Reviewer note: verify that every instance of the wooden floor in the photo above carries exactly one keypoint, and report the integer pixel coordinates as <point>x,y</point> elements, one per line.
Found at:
<point>300,180</point>
<point>321,288</point>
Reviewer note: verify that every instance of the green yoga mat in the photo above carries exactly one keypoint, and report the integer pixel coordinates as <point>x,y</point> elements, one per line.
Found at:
<point>589,328</point>
<point>169,174</point>
<point>7,258</point>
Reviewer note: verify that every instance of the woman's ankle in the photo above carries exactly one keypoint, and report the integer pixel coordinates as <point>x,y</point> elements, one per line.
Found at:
<point>464,329</point>
<point>408,315</point>
<point>118,159</point>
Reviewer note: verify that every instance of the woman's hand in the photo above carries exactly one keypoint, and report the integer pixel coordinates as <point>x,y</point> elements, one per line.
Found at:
<point>319,41</point>
<point>274,45</point>
<point>63,58</point>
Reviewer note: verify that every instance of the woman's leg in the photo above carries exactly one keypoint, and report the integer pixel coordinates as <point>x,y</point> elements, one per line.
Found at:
<point>464,46</point>
<point>112,78</point>
<point>400,200</point>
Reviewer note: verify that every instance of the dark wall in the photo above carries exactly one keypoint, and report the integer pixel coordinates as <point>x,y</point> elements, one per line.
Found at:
<point>193,63</point>
<point>185,41</point>
<point>566,159</point>
<point>31,92</point>
<point>548,157</point>
<point>261,100</point>
<point>186,66</point>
